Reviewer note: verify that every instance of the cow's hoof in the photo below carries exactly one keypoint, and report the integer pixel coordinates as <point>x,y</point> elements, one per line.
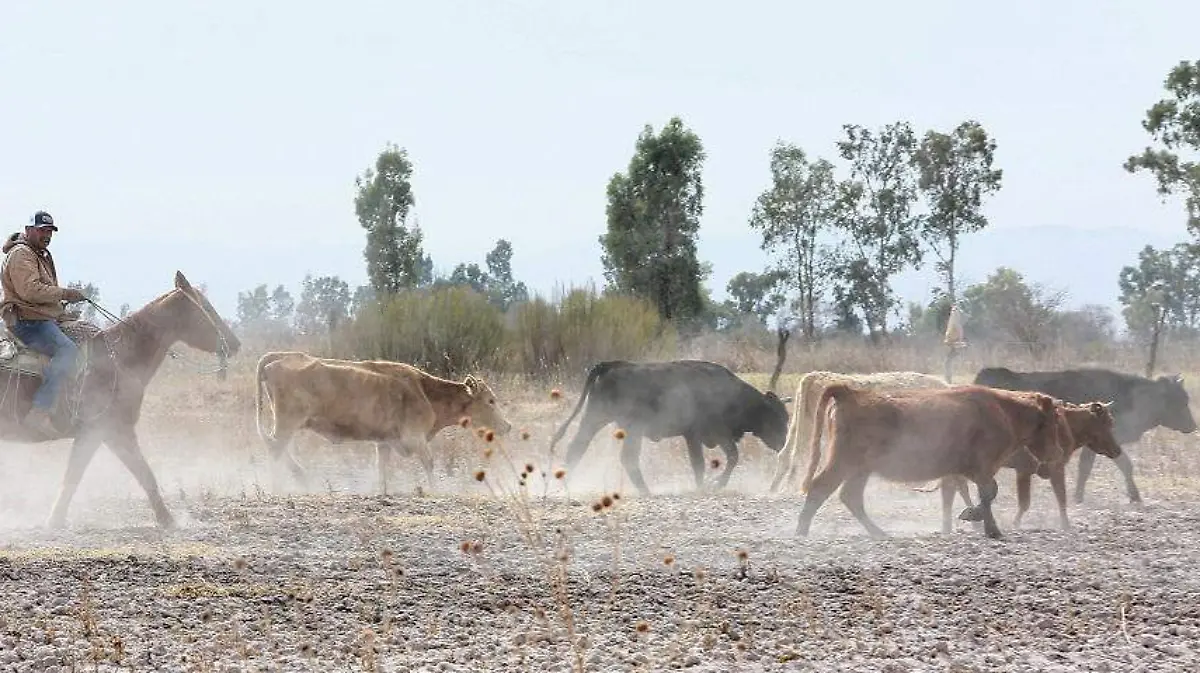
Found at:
<point>994,534</point>
<point>56,523</point>
<point>971,514</point>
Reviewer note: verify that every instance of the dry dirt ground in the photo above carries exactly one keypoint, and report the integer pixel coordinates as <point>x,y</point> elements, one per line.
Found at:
<point>341,579</point>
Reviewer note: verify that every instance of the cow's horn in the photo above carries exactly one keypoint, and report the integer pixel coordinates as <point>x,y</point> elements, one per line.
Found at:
<point>785,400</point>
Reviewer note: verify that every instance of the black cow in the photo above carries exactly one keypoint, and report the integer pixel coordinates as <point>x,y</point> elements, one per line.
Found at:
<point>703,402</point>
<point>1139,404</point>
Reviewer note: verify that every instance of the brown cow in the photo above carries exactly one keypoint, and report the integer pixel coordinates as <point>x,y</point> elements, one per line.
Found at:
<point>919,435</point>
<point>804,405</point>
<point>394,405</point>
<point>1091,425</point>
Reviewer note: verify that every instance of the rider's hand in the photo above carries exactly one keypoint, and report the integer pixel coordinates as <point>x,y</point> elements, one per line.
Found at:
<point>71,295</point>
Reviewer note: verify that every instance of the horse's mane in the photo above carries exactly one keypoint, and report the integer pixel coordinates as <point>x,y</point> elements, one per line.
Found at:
<point>138,318</point>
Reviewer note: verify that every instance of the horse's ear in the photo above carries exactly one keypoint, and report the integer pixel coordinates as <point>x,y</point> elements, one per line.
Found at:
<point>181,282</point>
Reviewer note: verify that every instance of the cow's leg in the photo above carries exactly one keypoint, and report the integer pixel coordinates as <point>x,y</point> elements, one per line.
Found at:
<point>82,450</point>
<point>124,443</point>
<point>950,486</point>
<point>589,425</point>
<point>696,458</point>
<point>383,454</point>
<point>1087,458</point>
<point>851,495</point>
<point>823,486</point>
<point>988,488</point>
<point>1024,486</point>
<point>732,455</point>
<point>402,448</point>
<point>1126,466</point>
<point>278,452</point>
<point>631,458</point>
<point>1058,481</point>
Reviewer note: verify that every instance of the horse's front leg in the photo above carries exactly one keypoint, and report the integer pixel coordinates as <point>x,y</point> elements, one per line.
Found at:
<point>82,450</point>
<point>124,443</point>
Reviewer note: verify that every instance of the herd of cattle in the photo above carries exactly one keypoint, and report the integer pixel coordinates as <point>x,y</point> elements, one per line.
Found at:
<point>905,427</point>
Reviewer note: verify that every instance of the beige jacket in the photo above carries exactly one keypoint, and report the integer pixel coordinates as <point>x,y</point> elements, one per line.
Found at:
<point>29,282</point>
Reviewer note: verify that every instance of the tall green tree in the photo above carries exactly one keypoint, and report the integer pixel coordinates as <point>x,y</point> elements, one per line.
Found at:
<point>875,212</point>
<point>1175,274</point>
<point>654,209</point>
<point>955,175</point>
<point>791,214</point>
<point>253,306</point>
<point>1174,123</point>
<point>282,305</point>
<point>395,260</point>
<point>1007,308</point>
<point>504,289</point>
<point>755,294</point>
<point>324,304</point>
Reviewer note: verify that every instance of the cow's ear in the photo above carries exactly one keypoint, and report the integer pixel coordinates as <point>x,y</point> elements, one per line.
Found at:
<point>470,383</point>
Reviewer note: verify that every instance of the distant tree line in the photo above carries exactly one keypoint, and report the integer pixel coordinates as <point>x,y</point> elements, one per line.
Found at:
<point>837,231</point>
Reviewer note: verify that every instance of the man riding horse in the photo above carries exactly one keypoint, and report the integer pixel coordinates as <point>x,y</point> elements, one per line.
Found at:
<point>32,308</point>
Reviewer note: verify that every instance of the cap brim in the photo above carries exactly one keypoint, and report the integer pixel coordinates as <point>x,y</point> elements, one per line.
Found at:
<point>51,227</point>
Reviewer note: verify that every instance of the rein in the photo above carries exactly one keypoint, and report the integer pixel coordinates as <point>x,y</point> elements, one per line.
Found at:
<point>222,356</point>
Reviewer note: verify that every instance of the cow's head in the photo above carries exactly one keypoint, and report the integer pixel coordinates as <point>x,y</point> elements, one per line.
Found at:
<point>771,424</point>
<point>1170,404</point>
<point>1092,425</point>
<point>480,406</point>
<point>1097,429</point>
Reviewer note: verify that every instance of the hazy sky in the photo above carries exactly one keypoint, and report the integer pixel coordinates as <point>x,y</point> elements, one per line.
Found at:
<point>230,133</point>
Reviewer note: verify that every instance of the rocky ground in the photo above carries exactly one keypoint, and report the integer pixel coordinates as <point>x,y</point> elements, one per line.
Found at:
<point>339,579</point>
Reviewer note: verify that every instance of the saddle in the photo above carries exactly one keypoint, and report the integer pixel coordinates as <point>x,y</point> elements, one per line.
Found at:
<point>18,359</point>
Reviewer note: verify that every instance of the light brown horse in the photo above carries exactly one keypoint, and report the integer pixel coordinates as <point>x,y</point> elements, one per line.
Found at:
<point>118,364</point>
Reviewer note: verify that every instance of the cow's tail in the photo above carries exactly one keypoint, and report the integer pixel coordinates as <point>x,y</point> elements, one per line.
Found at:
<point>833,391</point>
<point>260,391</point>
<point>593,373</point>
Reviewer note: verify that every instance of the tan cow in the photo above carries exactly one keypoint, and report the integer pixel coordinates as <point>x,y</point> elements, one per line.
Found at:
<point>808,392</point>
<point>922,435</point>
<point>1091,425</point>
<point>395,405</point>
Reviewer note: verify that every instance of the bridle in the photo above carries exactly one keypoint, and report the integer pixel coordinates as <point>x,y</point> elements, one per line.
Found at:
<point>222,353</point>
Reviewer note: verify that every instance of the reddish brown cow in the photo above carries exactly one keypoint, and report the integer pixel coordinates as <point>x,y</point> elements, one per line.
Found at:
<point>1091,425</point>
<point>919,435</point>
<point>394,405</point>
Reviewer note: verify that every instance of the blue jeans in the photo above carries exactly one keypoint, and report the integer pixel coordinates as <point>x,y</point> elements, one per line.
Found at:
<point>45,337</point>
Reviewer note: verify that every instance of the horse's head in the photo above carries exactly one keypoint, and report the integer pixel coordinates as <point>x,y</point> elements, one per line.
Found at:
<point>199,324</point>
